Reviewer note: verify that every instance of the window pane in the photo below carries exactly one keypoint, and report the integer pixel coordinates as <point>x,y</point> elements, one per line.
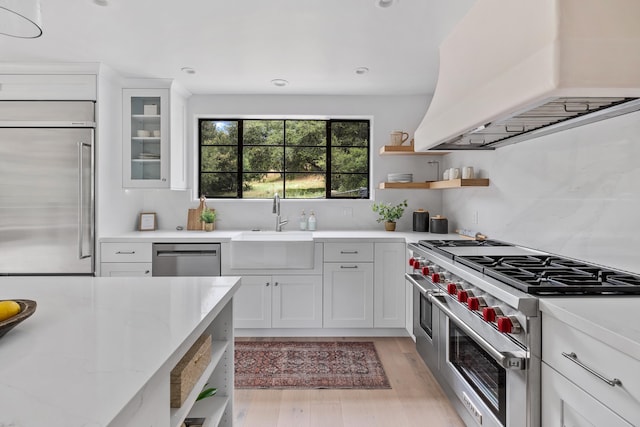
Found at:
<point>350,133</point>
<point>263,159</point>
<point>305,186</point>
<point>306,132</point>
<point>263,132</point>
<point>306,159</point>
<point>349,160</point>
<point>218,159</point>
<point>350,185</point>
<point>219,184</point>
<point>262,186</point>
<point>217,132</point>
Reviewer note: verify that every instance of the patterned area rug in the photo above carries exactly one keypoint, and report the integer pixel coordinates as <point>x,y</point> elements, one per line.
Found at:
<point>299,365</point>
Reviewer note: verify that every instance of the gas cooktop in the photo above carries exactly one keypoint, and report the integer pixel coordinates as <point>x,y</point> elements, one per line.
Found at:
<point>546,274</point>
<point>449,248</point>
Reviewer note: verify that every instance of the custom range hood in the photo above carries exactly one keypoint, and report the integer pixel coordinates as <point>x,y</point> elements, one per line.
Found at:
<point>515,70</point>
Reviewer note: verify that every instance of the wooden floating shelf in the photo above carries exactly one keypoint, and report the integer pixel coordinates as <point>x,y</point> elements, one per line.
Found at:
<point>436,185</point>
<point>408,150</point>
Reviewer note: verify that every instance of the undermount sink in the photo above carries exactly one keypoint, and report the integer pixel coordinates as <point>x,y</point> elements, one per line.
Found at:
<point>272,250</point>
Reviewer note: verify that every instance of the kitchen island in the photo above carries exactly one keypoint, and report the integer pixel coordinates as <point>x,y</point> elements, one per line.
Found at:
<point>98,352</point>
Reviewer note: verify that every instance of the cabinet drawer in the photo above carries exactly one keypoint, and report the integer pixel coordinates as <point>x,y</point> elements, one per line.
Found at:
<point>125,252</point>
<point>348,252</point>
<point>125,269</point>
<point>559,338</point>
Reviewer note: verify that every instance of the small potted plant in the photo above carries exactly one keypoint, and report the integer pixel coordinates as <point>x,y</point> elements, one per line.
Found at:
<point>389,213</point>
<point>208,218</point>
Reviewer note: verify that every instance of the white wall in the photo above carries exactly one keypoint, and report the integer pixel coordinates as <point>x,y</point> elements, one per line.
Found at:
<point>574,193</point>
<point>116,209</point>
<point>387,113</point>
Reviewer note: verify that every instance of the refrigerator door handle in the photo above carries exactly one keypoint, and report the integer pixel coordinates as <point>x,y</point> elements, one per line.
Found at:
<point>81,198</point>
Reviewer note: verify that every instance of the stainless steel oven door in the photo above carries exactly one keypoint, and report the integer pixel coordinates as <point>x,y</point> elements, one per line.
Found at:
<point>426,323</point>
<point>486,371</point>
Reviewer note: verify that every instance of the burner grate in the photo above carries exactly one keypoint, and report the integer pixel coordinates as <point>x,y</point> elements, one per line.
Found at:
<point>552,275</point>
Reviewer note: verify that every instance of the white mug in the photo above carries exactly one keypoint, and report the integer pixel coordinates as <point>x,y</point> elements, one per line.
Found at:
<point>445,175</point>
<point>467,172</point>
<point>454,173</point>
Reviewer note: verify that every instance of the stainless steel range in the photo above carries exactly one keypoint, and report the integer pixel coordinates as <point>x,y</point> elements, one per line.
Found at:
<point>477,323</point>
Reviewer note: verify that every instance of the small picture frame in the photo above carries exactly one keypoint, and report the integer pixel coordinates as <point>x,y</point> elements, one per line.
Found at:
<point>147,221</point>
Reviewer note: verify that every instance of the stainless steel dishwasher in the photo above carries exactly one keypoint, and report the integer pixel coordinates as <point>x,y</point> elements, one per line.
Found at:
<point>186,259</point>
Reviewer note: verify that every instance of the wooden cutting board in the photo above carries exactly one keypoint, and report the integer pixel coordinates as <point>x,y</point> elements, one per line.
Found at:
<point>193,216</point>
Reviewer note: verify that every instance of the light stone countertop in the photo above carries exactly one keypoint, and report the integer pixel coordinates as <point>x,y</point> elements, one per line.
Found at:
<point>190,236</point>
<point>614,320</point>
<point>93,343</point>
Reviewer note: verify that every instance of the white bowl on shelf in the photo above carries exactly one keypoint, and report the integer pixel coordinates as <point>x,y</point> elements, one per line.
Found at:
<point>144,133</point>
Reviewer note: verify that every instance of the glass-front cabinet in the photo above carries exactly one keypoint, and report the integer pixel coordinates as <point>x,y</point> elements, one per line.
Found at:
<point>146,138</point>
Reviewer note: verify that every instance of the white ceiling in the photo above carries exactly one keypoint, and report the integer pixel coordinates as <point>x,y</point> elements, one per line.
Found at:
<point>239,46</point>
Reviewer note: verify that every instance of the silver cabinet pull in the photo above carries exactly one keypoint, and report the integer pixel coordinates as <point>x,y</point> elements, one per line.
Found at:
<point>574,358</point>
<point>348,266</point>
<point>125,252</point>
<point>349,252</point>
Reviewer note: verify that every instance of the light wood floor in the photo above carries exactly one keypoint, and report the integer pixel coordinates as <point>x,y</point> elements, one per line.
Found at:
<point>415,398</point>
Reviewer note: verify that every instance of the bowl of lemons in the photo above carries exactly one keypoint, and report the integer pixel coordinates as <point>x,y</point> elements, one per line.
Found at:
<point>13,312</point>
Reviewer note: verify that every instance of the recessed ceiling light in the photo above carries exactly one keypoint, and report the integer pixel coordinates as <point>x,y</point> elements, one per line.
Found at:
<point>386,3</point>
<point>188,70</point>
<point>279,82</point>
<point>101,2</point>
<point>362,70</point>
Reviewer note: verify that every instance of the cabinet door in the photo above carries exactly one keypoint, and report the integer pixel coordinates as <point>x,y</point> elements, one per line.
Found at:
<point>566,404</point>
<point>252,303</point>
<point>348,295</point>
<point>125,269</point>
<point>389,302</point>
<point>296,302</point>
<point>145,127</point>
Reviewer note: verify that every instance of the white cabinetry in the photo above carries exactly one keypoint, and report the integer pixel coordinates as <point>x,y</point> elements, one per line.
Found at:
<point>580,377</point>
<point>282,301</point>
<point>154,140</point>
<point>389,301</point>
<point>348,285</point>
<point>125,259</point>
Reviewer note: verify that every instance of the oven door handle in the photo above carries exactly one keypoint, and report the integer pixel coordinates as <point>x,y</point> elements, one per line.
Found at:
<point>504,359</point>
<point>415,283</point>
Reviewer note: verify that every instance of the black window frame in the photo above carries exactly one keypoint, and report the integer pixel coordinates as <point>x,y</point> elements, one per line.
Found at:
<point>328,151</point>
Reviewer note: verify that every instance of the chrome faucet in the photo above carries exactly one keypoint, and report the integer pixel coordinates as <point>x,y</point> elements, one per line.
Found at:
<point>276,210</point>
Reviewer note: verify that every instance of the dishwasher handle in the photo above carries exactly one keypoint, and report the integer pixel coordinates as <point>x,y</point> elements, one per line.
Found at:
<point>175,253</point>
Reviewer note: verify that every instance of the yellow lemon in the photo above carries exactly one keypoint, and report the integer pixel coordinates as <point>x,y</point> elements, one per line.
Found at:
<point>8,309</point>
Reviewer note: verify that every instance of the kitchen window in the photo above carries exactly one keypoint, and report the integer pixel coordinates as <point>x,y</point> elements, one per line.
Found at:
<point>298,159</point>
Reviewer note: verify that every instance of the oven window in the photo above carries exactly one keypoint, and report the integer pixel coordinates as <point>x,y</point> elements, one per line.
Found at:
<point>480,371</point>
<point>426,319</point>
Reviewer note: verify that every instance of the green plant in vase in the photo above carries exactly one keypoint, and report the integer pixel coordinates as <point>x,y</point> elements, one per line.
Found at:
<point>389,213</point>
<point>208,217</point>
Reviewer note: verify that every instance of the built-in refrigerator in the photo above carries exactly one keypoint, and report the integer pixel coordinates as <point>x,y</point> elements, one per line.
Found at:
<point>47,187</point>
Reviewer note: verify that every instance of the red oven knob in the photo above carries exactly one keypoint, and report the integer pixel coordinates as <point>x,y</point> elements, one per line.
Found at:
<point>425,270</point>
<point>473,303</point>
<point>452,288</point>
<point>435,278</point>
<point>462,296</point>
<point>508,324</point>
<point>411,261</point>
<point>489,314</point>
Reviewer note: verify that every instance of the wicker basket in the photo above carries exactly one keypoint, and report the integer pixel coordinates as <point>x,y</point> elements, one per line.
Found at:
<point>189,369</point>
